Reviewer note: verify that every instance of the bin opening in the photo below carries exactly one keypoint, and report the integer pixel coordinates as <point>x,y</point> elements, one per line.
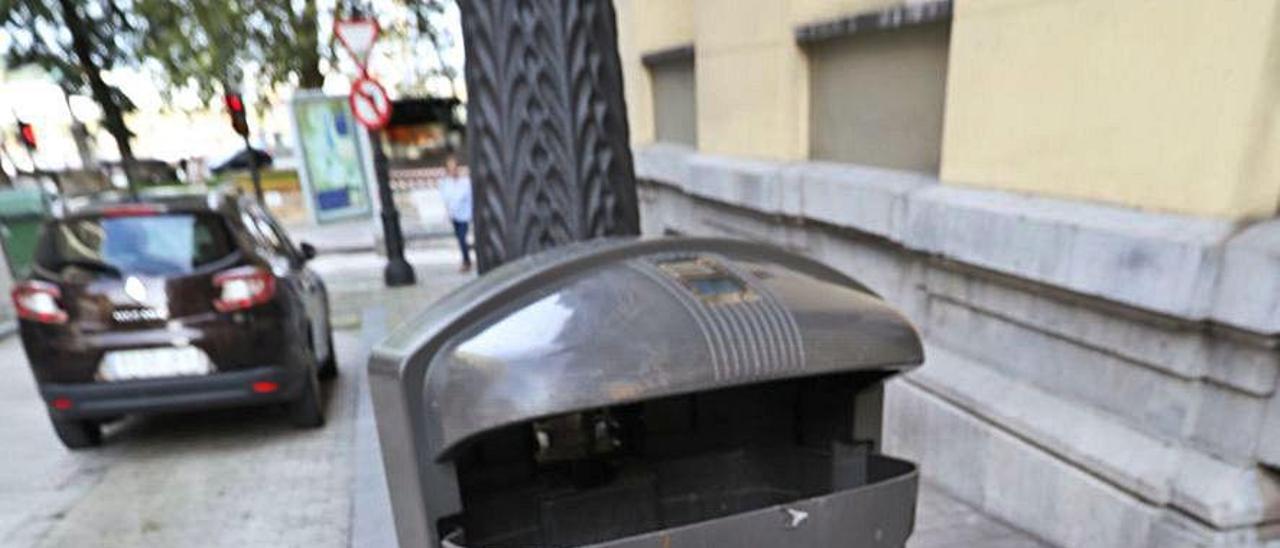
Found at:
<point>610,473</point>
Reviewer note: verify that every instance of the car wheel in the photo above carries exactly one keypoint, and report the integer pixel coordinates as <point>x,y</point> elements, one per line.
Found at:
<point>305,410</point>
<point>329,368</point>
<point>78,434</point>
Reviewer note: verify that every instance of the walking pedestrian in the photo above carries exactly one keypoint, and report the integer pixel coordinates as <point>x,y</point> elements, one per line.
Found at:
<point>456,190</point>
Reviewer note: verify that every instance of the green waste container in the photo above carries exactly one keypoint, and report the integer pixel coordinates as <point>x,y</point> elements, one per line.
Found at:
<point>21,212</point>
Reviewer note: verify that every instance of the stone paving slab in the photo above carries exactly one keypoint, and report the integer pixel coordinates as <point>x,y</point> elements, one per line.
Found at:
<point>945,522</point>
<point>237,477</point>
<point>359,235</point>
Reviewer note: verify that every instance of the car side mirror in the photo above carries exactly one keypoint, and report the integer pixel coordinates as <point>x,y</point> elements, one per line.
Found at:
<point>308,251</point>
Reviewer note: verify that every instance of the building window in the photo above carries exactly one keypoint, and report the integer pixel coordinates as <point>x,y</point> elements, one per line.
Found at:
<point>877,92</point>
<point>675,105</point>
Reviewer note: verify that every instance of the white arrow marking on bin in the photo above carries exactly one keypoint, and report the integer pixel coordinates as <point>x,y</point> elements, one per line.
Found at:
<point>797,517</point>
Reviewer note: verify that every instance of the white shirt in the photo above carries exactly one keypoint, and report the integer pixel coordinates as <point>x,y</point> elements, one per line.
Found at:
<point>457,197</point>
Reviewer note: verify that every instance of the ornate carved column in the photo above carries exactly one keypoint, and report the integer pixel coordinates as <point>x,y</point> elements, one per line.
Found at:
<point>546,126</point>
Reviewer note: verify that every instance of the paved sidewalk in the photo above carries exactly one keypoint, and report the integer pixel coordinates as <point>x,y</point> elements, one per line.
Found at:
<point>944,522</point>
<point>355,282</point>
<point>358,235</point>
<point>363,302</point>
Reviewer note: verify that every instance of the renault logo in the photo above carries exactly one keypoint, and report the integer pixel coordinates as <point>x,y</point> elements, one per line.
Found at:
<point>135,289</point>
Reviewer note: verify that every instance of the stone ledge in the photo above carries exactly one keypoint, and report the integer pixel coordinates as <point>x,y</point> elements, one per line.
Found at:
<point>1218,493</point>
<point>1008,478</point>
<point>1183,350</point>
<point>667,163</point>
<point>1139,463</point>
<point>1179,351</point>
<point>873,199</point>
<point>1224,495</point>
<point>1248,293</point>
<point>1175,529</point>
<point>1162,263</point>
<point>1269,441</point>
<point>1148,399</point>
<point>1223,420</point>
<point>758,185</point>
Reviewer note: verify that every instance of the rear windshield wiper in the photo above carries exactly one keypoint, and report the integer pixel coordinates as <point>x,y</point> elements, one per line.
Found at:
<point>91,265</point>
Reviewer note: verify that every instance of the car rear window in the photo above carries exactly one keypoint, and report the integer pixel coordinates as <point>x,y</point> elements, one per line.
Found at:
<point>158,245</point>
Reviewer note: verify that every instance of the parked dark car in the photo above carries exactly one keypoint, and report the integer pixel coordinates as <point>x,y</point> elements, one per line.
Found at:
<point>172,304</point>
<point>242,160</point>
<point>146,173</point>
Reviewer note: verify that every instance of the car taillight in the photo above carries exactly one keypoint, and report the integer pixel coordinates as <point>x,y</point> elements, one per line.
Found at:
<point>244,287</point>
<point>264,387</point>
<point>38,301</point>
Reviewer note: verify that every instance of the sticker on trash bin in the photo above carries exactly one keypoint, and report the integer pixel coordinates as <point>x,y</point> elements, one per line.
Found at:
<point>708,280</point>
<point>797,517</point>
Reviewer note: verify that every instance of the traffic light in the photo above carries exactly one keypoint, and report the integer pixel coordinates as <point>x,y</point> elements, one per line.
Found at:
<point>235,107</point>
<point>28,134</point>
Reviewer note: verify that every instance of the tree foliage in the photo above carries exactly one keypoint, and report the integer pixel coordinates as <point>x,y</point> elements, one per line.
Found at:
<point>75,41</point>
<point>194,42</point>
<point>205,44</point>
<point>289,41</point>
<point>201,45</point>
<point>425,27</point>
<point>39,36</point>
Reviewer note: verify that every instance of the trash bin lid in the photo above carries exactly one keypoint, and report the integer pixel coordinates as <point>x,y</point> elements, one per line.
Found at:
<point>616,321</point>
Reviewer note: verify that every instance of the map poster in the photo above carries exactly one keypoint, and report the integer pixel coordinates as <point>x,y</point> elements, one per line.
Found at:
<point>332,157</point>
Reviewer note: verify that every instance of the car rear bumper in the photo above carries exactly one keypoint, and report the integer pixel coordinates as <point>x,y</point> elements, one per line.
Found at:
<point>229,389</point>
<point>73,353</point>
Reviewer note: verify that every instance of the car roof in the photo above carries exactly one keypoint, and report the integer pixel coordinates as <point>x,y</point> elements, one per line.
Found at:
<point>107,203</point>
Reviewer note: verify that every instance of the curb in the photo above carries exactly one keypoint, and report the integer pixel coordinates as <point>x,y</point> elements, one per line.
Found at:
<point>376,246</point>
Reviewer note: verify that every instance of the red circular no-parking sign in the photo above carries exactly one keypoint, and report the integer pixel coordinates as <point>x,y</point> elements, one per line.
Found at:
<point>369,103</point>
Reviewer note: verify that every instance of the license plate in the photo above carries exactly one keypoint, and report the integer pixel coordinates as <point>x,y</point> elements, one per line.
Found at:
<point>150,363</point>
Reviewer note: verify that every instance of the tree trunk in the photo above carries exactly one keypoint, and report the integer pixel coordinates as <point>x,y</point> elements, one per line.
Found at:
<point>546,126</point>
<point>5,181</point>
<point>309,76</point>
<point>80,134</point>
<point>113,117</point>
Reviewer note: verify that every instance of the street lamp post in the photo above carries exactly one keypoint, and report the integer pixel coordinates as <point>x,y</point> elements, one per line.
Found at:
<point>546,126</point>
<point>254,171</point>
<point>398,271</point>
<point>371,107</point>
<point>240,123</point>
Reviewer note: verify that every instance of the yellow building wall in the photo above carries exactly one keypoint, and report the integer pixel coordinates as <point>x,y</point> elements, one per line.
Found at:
<point>645,26</point>
<point>752,78</point>
<point>1168,106</point>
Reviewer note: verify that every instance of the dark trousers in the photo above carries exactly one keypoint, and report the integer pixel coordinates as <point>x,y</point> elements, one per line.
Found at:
<point>460,231</point>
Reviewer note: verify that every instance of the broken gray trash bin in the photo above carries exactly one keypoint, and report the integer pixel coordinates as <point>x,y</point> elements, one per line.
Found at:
<point>666,393</point>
